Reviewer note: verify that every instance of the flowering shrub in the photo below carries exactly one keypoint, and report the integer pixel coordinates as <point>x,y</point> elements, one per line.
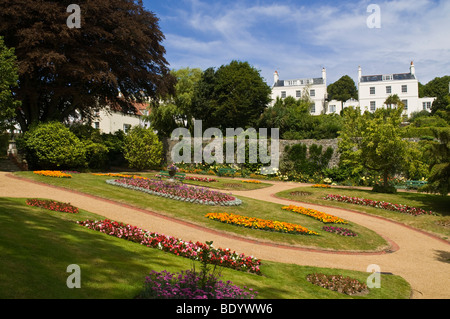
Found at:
<point>323,217</point>
<point>405,209</point>
<point>191,285</point>
<point>181,192</point>
<point>57,174</point>
<point>321,186</point>
<point>338,283</point>
<point>218,256</point>
<point>340,231</point>
<point>252,181</point>
<point>53,205</point>
<point>258,223</point>
<point>172,167</point>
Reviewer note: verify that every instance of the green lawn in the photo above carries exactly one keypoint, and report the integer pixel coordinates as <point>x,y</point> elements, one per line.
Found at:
<point>37,245</point>
<point>367,240</point>
<point>436,203</point>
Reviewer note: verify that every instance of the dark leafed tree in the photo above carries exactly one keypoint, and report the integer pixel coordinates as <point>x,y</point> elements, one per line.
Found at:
<point>64,71</point>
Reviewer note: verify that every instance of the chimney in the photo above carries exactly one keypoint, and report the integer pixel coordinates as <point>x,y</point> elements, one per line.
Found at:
<point>359,74</point>
<point>324,76</point>
<point>276,78</point>
<point>412,68</point>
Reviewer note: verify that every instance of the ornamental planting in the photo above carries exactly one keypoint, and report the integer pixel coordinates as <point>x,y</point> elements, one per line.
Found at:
<point>323,217</point>
<point>52,205</point>
<point>181,192</point>
<point>258,223</point>
<point>405,209</point>
<point>216,256</point>
<point>57,174</point>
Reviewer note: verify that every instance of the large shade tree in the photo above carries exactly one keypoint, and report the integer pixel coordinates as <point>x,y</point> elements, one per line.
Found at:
<point>8,80</point>
<point>233,96</point>
<point>373,142</point>
<point>115,58</point>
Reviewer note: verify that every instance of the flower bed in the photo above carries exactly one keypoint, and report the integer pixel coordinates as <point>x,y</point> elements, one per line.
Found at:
<point>405,209</point>
<point>339,283</point>
<point>190,194</point>
<point>194,178</point>
<point>323,217</point>
<point>321,186</point>
<point>53,205</point>
<point>58,174</point>
<point>191,285</point>
<point>252,182</point>
<point>340,231</point>
<point>258,223</point>
<point>219,256</point>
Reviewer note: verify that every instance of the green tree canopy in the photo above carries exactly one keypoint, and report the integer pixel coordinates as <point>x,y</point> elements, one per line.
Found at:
<point>439,88</point>
<point>8,80</point>
<point>176,109</point>
<point>373,142</point>
<point>343,89</point>
<point>233,96</point>
<point>115,58</point>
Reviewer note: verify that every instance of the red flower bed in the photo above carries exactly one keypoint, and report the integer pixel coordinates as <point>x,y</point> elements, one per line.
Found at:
<point>218,256</point>
<point>405,209</point>
<point>53,205</point>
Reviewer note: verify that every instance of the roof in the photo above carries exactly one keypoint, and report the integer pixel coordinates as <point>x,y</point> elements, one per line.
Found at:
<point>394,77</point>
<point>315,81</point>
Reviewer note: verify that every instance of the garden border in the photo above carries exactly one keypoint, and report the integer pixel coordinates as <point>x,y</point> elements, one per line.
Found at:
<point>393,246</point>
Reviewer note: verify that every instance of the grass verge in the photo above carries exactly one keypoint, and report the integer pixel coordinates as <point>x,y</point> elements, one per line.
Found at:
<point>37,245</point>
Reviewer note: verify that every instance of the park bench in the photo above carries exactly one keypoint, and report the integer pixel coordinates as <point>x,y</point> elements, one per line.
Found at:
<point>226,172</point>
<point>179,176</point>
<point>415,184</point>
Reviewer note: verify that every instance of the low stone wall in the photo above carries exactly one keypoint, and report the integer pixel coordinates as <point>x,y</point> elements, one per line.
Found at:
<point>333,143</point>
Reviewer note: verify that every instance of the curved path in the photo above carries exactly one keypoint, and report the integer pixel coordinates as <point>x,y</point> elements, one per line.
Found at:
<point>421,259</point>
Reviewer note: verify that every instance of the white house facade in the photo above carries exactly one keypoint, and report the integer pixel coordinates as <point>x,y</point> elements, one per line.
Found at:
<point>109,121</point>
<point>316,88</point>
<point>373,90</point>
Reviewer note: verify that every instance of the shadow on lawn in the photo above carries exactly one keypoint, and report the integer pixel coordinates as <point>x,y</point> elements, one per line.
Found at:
<point>38,246</point>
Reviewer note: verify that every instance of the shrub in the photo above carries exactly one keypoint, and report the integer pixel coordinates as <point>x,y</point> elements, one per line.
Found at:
<point>142,149</point>
<point>53,146</point>
<point>96,155</point>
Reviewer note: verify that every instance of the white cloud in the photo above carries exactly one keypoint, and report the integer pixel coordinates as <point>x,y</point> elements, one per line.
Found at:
<point>299,40</point>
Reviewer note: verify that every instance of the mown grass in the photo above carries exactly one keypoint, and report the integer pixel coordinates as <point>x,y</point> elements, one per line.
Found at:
<point>37,245</point>
<point>436,203</point>
<point>367,240</point>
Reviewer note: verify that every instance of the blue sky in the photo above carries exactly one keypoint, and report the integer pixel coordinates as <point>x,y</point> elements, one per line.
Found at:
<point>299,38</point>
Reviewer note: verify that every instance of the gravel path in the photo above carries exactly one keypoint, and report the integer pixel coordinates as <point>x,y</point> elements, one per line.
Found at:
<point>421,259</point>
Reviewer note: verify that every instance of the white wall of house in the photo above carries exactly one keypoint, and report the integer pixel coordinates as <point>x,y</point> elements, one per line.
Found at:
<point>373,90</point>
<point>316,88</point>
<point>111,122</point>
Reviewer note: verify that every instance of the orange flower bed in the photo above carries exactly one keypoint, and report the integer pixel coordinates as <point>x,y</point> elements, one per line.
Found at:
<point>323,217</point>
<point>252,181</point>
<point>258,223</point>
<point>321,186</point>
<point>112,175</point>
<point>57,174</point>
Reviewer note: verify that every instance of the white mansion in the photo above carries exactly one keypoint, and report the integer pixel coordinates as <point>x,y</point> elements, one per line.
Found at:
<point>373,90</point>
